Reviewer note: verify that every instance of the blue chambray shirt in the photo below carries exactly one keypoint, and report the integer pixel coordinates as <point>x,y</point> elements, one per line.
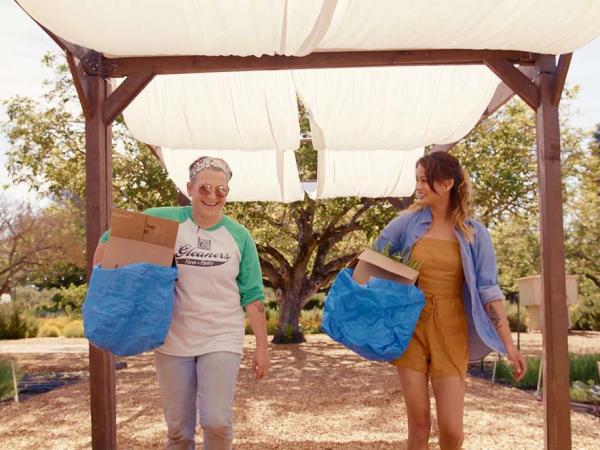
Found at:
<point>479,267</point>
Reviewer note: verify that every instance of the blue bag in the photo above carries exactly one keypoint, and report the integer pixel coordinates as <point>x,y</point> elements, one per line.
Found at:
<point>128,310</point>
<point>375,320</point>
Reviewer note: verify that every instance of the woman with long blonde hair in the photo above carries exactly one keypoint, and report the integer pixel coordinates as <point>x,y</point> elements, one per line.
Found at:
<point>464,317</point>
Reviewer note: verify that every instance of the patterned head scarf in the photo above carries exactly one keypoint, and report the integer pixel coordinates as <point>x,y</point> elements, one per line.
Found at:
<point>208,162</point>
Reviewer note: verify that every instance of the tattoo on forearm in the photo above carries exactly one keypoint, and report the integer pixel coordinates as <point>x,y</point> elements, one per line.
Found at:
<point>493,315</point>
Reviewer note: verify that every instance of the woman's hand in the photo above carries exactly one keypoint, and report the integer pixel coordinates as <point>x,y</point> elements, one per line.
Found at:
<point>260,362</point>
<point>517,362</point>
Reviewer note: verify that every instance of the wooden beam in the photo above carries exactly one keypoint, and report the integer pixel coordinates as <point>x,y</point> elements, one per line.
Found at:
<point>515,80</point>
<point>98,164</point>
<point>157,152</point>
<point>557,407</point>
<point>160,65</point>
<point>502,95</point>
<point>561,76</point>
<point>124,95</point>
<point>80,81</point>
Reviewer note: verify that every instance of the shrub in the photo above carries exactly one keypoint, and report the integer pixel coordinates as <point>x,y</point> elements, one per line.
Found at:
<point>517,317</point>
<point>48,330</point>
<point>70,299</point>
<point>581,368</point>
<point>584,368</point>
<point>586,314</point>
<point>57,322</point>
<point>310,321</point>
<point>505,372</point>
<point>16,322</point>
<point>38,302</point>
<point>73,330</point>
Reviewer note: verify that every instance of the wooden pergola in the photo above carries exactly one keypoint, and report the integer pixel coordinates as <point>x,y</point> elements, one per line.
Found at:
<point>538,80</point>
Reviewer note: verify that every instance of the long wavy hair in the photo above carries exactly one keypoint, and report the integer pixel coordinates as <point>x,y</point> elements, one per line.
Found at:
<point>440,167</point>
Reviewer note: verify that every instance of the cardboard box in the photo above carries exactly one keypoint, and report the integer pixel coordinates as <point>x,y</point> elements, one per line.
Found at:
<point>373,264</point>
<point>136,237</point>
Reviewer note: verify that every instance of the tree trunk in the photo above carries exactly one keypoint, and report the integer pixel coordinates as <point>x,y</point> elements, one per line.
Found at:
<point>289,331</point>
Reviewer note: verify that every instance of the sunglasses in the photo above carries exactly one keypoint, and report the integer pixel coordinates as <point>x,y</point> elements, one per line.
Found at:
<point>207,189</point>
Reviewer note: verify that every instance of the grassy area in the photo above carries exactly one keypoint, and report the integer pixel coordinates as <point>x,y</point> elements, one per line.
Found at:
<point>581,368</point>
<point>310,321</point>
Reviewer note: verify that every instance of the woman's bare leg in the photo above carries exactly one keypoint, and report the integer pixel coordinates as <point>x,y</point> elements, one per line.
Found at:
<point>415,388</point>
<point>449,399</point>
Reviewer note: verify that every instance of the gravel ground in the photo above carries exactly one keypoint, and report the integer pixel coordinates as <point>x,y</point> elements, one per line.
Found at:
<point>318,396</point>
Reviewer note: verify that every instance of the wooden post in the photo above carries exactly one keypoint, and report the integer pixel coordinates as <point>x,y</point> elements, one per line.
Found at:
<point>557,411</point>
<point>98,165</point>
<point>15,384</point>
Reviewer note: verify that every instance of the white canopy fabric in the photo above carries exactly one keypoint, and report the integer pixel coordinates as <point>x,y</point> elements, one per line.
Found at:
<point>393,108</point>
<point>259,175</point>
<point>541,26</point>
<point>363,121</point>
<point>373,173</point>
<point>298,27</point>
<point>217,111</point>
<point>251,117</point>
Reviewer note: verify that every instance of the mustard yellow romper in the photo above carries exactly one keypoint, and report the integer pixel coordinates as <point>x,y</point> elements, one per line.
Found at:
<point>439,343</point>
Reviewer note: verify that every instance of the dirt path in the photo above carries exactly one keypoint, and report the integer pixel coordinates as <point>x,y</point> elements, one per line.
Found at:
<point>318,396</point>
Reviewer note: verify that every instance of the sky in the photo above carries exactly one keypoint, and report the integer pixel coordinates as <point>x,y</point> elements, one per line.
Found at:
<point>23,43</point>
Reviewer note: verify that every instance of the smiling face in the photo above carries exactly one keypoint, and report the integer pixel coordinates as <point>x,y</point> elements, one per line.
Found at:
<point>206,203</point>
<point>427,196</point>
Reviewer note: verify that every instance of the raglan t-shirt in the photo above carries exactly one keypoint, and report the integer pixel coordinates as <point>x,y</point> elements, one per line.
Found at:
<point>219,273</point>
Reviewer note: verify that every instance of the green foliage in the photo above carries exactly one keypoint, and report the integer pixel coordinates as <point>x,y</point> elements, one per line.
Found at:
<point>16,321</point>
<point>501,158</point>
<point>70,299</point>
<point>517,251</point>
<point>6,379</point>
<point>582,367</point>
<point>586,314</point>
<point>517,317</point>
<point>47,149</point>
<point>504,372</point>
<point>39,302</point>
<point>583,235</point>
<point>399,257</point>
<point>73,329</point>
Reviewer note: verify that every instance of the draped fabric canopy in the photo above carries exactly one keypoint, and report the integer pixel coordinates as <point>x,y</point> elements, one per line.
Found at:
<point>299,27</point>
<point>364,117</point>
<point>368,124</point>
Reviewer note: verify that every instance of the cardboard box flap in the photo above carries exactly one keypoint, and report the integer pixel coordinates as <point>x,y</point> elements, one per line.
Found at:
<point>388,264</point>
<point>160,231</point>
<point>136,237</point>
<point>127,225</point>
<point>140,227</point>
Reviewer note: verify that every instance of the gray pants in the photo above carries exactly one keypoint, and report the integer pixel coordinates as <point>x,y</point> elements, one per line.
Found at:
<point>202,383</point>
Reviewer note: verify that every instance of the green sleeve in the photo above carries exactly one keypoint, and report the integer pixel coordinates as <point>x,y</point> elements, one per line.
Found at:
<point>177,213</point>
<point>249,279</point>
